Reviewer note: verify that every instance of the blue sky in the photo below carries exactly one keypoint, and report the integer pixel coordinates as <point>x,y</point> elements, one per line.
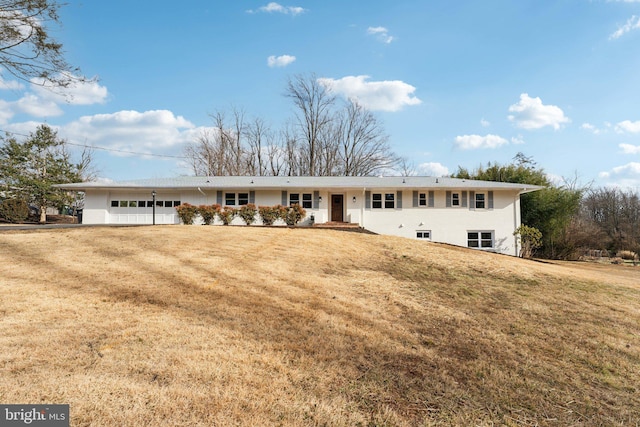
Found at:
<point>455,83</point>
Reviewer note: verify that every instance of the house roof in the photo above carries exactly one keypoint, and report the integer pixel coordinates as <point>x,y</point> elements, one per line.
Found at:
<point>301,182</point>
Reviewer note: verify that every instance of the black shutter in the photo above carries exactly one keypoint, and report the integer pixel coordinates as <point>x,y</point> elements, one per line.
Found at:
<point>448,199</point>
<point>415,199</point>
<point>399,201</point>
<point>432,198</point>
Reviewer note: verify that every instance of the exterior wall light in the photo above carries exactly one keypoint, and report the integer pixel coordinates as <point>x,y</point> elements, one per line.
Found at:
<point>354,199</point>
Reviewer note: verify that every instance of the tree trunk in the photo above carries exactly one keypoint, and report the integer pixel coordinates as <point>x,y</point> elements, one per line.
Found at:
<point>43,214</point>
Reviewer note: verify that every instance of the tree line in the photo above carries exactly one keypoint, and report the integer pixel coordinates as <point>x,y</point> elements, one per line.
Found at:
<point>572,219</point>
<point>325,137</point>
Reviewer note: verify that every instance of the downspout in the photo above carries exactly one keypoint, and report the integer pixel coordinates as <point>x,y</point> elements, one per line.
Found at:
<point>516,202</point>
<point>362,202</point>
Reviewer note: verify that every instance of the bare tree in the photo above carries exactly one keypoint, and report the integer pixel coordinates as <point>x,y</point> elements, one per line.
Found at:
<point>363,147</point>
<point>314,112</point>
<point>204,154</point>
<point>406,167</point>
<point>258,136</point>
<point>27,51</point>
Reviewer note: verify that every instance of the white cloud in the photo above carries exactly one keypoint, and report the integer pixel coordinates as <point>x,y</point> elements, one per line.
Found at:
<point>632,24</point>
<point>624,176</point>
<point>628,126</point>
<point>630,149</point>
<point>530,113</point>
<point>144,132</point>
<point>591,128</point>
<point>280,61</point>
<point>274,7</point>
<point>9,85</point>
<point>34,106</point>
<point>433,169</point>
<point>517,140</point>
<point>472,142</point>
<point>77,93</point>
<point>485,123</point>
<point>376,96</point>
<point>381,33</point>
<point>45,101</point>
<point>6,112</point>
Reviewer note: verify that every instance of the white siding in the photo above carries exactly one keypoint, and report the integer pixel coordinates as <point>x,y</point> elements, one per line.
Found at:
<point>446,224</point>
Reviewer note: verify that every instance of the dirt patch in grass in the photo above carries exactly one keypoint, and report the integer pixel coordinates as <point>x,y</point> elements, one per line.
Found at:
<point>194,325</point>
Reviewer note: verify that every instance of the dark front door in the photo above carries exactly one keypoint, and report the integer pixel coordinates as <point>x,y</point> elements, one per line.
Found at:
<point>336,207</point>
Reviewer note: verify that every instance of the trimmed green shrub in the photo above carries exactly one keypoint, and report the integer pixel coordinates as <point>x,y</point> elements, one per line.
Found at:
<point>208,213</point>
<point>269,214</point>
<point>248,213</point>
<point>14,210</point>
<point>187,213</point>
<point>227,214</point>
<point>294,214</point>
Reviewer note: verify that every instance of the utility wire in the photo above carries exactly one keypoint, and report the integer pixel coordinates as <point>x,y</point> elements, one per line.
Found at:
<point>114,150</point>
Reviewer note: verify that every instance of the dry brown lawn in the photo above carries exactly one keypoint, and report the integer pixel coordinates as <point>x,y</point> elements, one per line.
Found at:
<point>250,326</point>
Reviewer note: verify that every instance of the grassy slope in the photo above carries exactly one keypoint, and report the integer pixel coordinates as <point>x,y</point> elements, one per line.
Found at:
<point>252,326</point>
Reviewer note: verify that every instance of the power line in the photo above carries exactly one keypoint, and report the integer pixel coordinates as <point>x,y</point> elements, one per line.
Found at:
<point>114,150</point>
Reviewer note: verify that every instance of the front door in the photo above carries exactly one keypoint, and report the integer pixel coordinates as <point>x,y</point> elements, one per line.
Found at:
<point>337,202</point>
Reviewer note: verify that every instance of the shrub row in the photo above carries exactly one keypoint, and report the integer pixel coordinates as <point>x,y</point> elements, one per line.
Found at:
<point>268,214</point>
<point>14,210</point>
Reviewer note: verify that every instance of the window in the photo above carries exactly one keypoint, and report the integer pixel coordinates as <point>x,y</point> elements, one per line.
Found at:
<point>423,234</point>
<point>115,203</point>
<point>168,204</point>
<point>142,203</point>
<point>455,199</point>
<point>124,203</point>
<point>307,201</point>
<point>176,203</point>
<point>243,198</point>
<point>230,199</point>
<point>422,199</point>
<point>133,204</point>
<point>159,203</point>
<point>389,201</point>
<point>377,201</point>
<point>479,201</point>
<point>294,199</point>
<point>480,239</point>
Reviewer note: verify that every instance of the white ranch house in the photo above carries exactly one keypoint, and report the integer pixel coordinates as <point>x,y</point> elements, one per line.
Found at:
<point>478,214</point>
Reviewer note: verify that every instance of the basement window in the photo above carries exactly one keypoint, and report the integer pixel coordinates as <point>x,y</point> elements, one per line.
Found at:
<point>480,239</point>
<point>423,234</point>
